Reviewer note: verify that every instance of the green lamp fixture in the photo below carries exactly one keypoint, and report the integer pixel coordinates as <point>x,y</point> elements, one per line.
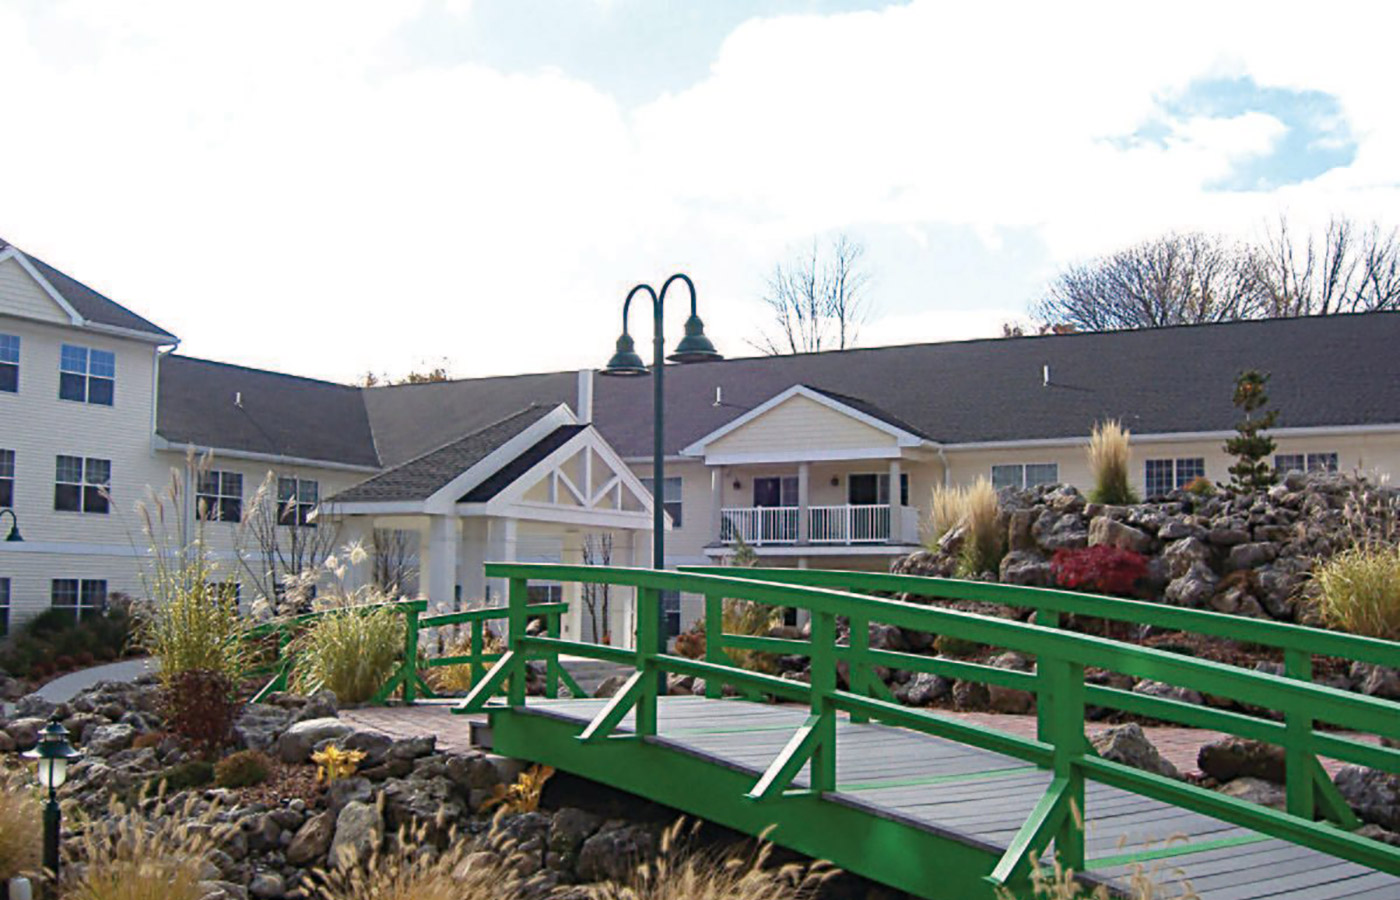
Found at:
<point>13,537</point>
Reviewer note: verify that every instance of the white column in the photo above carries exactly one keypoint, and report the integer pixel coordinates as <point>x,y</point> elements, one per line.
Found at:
<point>471,559</point>
<point>804,473</point>
<point>716,502</point>
<point>501,547</point>
<point>896,511</point>
<point>442,562</point>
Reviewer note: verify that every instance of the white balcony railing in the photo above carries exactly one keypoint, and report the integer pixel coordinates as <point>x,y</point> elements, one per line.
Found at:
<point>848,524</point>
<point>759,525</point>
<point>827,525</point>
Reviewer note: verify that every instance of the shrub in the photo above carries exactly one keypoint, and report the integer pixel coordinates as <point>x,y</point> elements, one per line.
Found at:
<point>350,651</point>
<point>1358,591</point>
<point>1101,569</point>
<point>1110,457</point>
<point>1200,486</point>
<point>1251,446</point>
<point>200,706</point>
<point>983,547</point>
<point>127,856</point>
<point>53,641</point>
<point>242,769</point>
<point>20,826</point>
<point>691,642</point>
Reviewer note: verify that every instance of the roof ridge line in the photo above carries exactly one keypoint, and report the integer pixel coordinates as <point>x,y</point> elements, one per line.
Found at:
<point>461,437</point>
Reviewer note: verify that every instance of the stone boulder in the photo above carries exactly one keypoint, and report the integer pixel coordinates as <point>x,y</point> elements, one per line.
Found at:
<point>259,724</point>
<point>313,840</point>
<point>358,831</point>
<point>1193,589</point>
<point>1127,744</point>
<point>1375,795</point>
<point>613,853</point>
<point>25,732</point>
<point>1256,790</point>
<point>107,740</point>
<point>1233,757</point>
<point>1376,681</point>
<point>1248,556</point>
<point>923,689</point>
<point>1105,530</point>
<point>1027,568</point>
<point>294,745</point>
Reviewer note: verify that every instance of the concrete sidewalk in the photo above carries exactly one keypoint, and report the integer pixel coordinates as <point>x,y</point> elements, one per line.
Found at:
<point>66,687</point>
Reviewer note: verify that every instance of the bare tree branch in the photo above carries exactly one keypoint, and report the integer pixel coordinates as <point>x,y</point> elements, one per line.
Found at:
<point>818,300</point>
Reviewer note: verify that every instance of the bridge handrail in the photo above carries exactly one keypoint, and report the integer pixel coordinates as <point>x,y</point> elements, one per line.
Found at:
<point>1283,635</point>
<point>407,678</point>
<point>1058,683</point>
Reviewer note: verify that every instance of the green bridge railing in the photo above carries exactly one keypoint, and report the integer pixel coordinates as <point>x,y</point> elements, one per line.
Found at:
<point>407,681</point>
<point>1058,685</point>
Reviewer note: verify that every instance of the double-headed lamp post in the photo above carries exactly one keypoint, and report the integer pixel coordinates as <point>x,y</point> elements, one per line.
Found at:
<point>52,753</point>
<point>13,537</point>
<point>694,347</point>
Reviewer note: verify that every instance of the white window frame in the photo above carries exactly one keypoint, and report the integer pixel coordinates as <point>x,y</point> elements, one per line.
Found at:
<point>227,488</point>
<point>9,361</point>
<point>7,478</point>
<point>94,491</point>
<point>304,509</point>
<point>1180,471</point>
<point>77,361</point>
<point>84,589</point>
<point>674,490</point>
<point>1022,476</point>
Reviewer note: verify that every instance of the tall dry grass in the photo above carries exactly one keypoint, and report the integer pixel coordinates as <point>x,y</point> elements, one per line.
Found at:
<point>683,871</point>
<point>130,856</point>
<point>1358,591</point>
<point>1110,457</point>
<point>1144,883</point>
<point>458,678</point>
<point>747,617</point>
<point>947,509</point>
<point>984,544</point>
<point>20,824</point>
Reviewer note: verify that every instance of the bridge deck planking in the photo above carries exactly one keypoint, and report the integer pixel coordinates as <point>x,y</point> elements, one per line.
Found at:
<point>984,796</point>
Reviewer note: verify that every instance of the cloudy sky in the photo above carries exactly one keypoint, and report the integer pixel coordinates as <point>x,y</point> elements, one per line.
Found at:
<point>331,186</point>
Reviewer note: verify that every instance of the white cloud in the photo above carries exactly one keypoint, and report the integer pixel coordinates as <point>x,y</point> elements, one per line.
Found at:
<point>287,185</point>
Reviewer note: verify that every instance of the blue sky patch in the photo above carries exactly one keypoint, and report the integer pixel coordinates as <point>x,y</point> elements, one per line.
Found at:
<point>1318,137</point>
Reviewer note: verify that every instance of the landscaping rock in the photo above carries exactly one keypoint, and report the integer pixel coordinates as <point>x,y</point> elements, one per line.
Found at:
<point>922,689</point>
<point>1375,795</point>
<point>1256,790</point>
<point>1127,744</point>
<point>1027,568</point>
<point>611,685</point>
<point>267,886</point>
<point>970,695</point>
<point>1182,555</point>
<point>358,830</point>
<point>1168,691</point>
<point>1193,589</point>
<point>25,732</point>
<point>1233,757</point>
<point>569,828</point>
<point>1376,681</point>
<point>295,744</point>
<point>313,840</point>
<point>34,706</point>
<point>1247,556</point>
<point>108,739</point>
<point>1105,530</point>
<point>613,853</point>
<point>259,724</point>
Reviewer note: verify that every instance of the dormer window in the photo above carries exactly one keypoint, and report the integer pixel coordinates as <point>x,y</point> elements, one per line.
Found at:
<point>87,375</point>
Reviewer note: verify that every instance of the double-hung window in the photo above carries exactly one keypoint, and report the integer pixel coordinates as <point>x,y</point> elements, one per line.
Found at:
<point>83,597</point>
<point>1164,475</point>
<point>4,606</point>
<point>671,499</point>
<point>82,485</point>
<point>7,479</point>
<point>1306,462</point>
<point>1025,475</point>
<point>220,496</point>
<point>86,375</point>
<point>9,363</point>
<point>296,501</point>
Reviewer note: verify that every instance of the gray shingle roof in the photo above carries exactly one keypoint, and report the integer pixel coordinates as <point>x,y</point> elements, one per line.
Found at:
<point>282,415</point>
<point>1331,370</point>
<point>522,464</point>
<point>89,303</point>
<point>423,476</point>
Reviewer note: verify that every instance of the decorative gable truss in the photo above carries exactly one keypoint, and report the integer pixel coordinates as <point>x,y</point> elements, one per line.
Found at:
<point>583,482</point>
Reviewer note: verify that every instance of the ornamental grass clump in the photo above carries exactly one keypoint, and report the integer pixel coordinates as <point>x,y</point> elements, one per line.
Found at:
<point>1143,883</point>
<point>457,679</point>
<point>130,856</point>
<point>684,871</point>
<point>1358,591</point>
<point>1110,458</point>
<point>355,643</point>
<point>20,826</point>
<point>983,546</point>
<point>947,510</point>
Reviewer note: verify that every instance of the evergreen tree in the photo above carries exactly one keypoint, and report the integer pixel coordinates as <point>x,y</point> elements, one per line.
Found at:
<point>1252,446</point>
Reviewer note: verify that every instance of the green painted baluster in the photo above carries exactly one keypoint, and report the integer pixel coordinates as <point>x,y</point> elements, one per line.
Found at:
<point>410,655</point>
<point>857,661</point>
<point>648,642</point>
<point>1065,681</point>
<point>1044,701</point>
<point>478,647</point>
<point>823,766</point>
<point>714,643</point>
<point>551,681</point>
<point>1297,752</point>
<point>516,620</point>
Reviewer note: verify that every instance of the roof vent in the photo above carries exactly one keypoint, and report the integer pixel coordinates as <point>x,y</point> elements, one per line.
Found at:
<point>1045,375</point>
<point>719,396</point>
<point>238,399</point>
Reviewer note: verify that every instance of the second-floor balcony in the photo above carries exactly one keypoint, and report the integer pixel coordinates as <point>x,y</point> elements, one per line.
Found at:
<point>842,524</point>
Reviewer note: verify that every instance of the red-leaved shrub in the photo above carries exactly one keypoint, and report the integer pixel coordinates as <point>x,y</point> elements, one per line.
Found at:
<point>1100,569</point>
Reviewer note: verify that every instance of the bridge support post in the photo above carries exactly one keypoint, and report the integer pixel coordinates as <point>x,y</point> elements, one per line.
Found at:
<point>823,682</point>
<point>714,643</point>
<point>516,621</point>
<point>857,666</point>
<point>648,642</point>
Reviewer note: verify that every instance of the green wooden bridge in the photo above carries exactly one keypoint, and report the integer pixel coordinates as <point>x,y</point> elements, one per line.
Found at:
<point>926,803</point>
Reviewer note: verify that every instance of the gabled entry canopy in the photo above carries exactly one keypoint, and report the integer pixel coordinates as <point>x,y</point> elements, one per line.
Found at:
<point>539,463</point>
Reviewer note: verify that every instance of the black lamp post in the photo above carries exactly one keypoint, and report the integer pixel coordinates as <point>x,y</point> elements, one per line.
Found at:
<point>13,537</point>
<point>694,347</point>
<point>53,753</point>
